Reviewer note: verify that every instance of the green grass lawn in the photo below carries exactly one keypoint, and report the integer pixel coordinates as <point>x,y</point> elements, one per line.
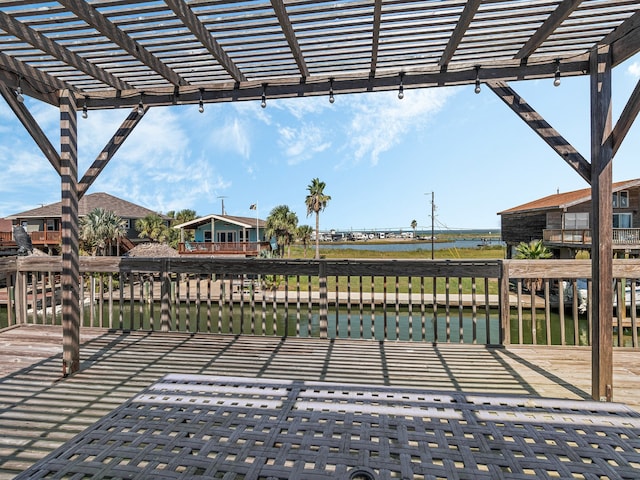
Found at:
<point>492,252</point>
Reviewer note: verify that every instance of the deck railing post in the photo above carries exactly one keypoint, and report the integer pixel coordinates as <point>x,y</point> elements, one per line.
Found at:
<point>503,305</point>
<point>165,296</point>
<point>20,296</point>
<point>323,306</point>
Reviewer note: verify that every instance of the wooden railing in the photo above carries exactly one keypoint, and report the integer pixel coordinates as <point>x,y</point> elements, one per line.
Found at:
<point>621,236</point>
<point>37,238</point>
<point>222,248</point>
<point>487,302</point>
<point>580,237</point>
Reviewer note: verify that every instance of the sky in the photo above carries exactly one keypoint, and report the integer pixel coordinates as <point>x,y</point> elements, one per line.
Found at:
<point>382,159</point>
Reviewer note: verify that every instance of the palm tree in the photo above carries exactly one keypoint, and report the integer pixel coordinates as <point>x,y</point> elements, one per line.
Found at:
<point>316,201</point>
<point>282,223</point>
<point>173,236</point>
<point>99,229</point>
<point>533,250</point>
<point>114,229</point>
<point>152,226</point>
<point>414,225</point>
<point>304,235</point>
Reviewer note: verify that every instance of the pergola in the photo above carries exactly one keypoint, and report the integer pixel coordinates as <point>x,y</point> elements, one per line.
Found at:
<point>87,55</point>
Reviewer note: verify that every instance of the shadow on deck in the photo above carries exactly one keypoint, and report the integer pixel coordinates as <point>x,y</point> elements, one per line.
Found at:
<point>39,410</point>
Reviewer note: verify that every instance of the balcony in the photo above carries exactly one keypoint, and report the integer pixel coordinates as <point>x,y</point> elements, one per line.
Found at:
<point>48,237</point>
<point>622,237</point>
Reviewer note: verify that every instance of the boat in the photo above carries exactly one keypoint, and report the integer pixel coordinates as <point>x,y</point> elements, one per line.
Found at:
<point>631,292</point>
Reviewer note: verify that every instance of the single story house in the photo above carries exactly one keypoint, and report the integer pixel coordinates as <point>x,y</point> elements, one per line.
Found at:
<point>224,235</point>
<point>43,223</point>
<point>563,221</point>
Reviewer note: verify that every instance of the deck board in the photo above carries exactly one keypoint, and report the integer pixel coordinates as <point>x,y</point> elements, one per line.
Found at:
<point>39,410</point>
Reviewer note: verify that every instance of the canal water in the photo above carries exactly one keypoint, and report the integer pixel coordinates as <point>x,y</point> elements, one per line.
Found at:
<point>408,246</point>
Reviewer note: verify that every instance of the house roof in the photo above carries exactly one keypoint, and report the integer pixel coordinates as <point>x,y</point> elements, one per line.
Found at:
<point>87,203</point>
<point>118,53</point>
<point>245,222</point>
<point>561,201</point>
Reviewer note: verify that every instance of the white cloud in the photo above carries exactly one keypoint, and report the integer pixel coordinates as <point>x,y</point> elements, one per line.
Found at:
<point>300,143</point>
<point>233,136</point>
<point>381,121</point>
<point>155,167</point>
<point>634,69</point>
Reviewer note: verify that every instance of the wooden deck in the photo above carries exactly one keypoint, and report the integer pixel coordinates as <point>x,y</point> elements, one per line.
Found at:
<point>39,410</point>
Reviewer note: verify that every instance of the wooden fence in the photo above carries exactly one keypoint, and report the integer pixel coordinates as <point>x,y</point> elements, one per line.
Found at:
<point>488,302</point>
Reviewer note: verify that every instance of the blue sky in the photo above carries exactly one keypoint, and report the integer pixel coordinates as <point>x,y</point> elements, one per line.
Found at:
<point>379,156</point>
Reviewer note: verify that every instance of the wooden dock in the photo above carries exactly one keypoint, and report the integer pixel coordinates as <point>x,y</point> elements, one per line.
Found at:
<point>40,410</point>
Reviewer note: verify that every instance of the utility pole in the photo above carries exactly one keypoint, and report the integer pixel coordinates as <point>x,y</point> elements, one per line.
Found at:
<point>433,209</point>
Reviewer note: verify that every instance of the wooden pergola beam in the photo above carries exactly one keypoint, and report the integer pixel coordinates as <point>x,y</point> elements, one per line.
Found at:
<point>93,17</point>
<point>116,141</point>
<point>539,125</point>
<point>628,116</point>
<point>32,37</point>
<point>191,21</point>
<point>285,23</point>
<point>294,88</point>
<point>35,83</point>
<point>552,22</point>
<point>624,40</point>
<point>30,124</point>
<point>469,11</point>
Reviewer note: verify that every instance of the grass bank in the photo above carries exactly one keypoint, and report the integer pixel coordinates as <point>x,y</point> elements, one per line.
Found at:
<point>490,252</point>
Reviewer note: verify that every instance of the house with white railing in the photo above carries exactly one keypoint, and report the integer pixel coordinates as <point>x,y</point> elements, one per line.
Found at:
<point>224,235</point>
<point>564,221</point>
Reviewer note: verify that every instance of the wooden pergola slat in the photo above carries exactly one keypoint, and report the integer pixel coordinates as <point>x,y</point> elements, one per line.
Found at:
<point>287,29</point>
<point>192,22</point>
<point>552,22</point>
<point>102,24</point>
<point>470,9</point>
<point>54,49</point>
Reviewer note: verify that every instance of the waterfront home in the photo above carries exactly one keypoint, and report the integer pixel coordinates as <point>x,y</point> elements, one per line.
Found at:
<point>224,235</point>
<point>563,221</point>
<point>43,224</point>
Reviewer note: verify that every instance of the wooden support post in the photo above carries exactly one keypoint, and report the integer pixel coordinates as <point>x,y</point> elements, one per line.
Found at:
<point>504,306</point>
<point>70,278</point>
<point>602,224</point>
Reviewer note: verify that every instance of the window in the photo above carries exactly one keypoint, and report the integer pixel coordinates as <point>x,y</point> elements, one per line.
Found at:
<point>621,199</point>
<point>51,225</point>
<point>621,220</point>
<point>576,221</point>
<point>227,237</point>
